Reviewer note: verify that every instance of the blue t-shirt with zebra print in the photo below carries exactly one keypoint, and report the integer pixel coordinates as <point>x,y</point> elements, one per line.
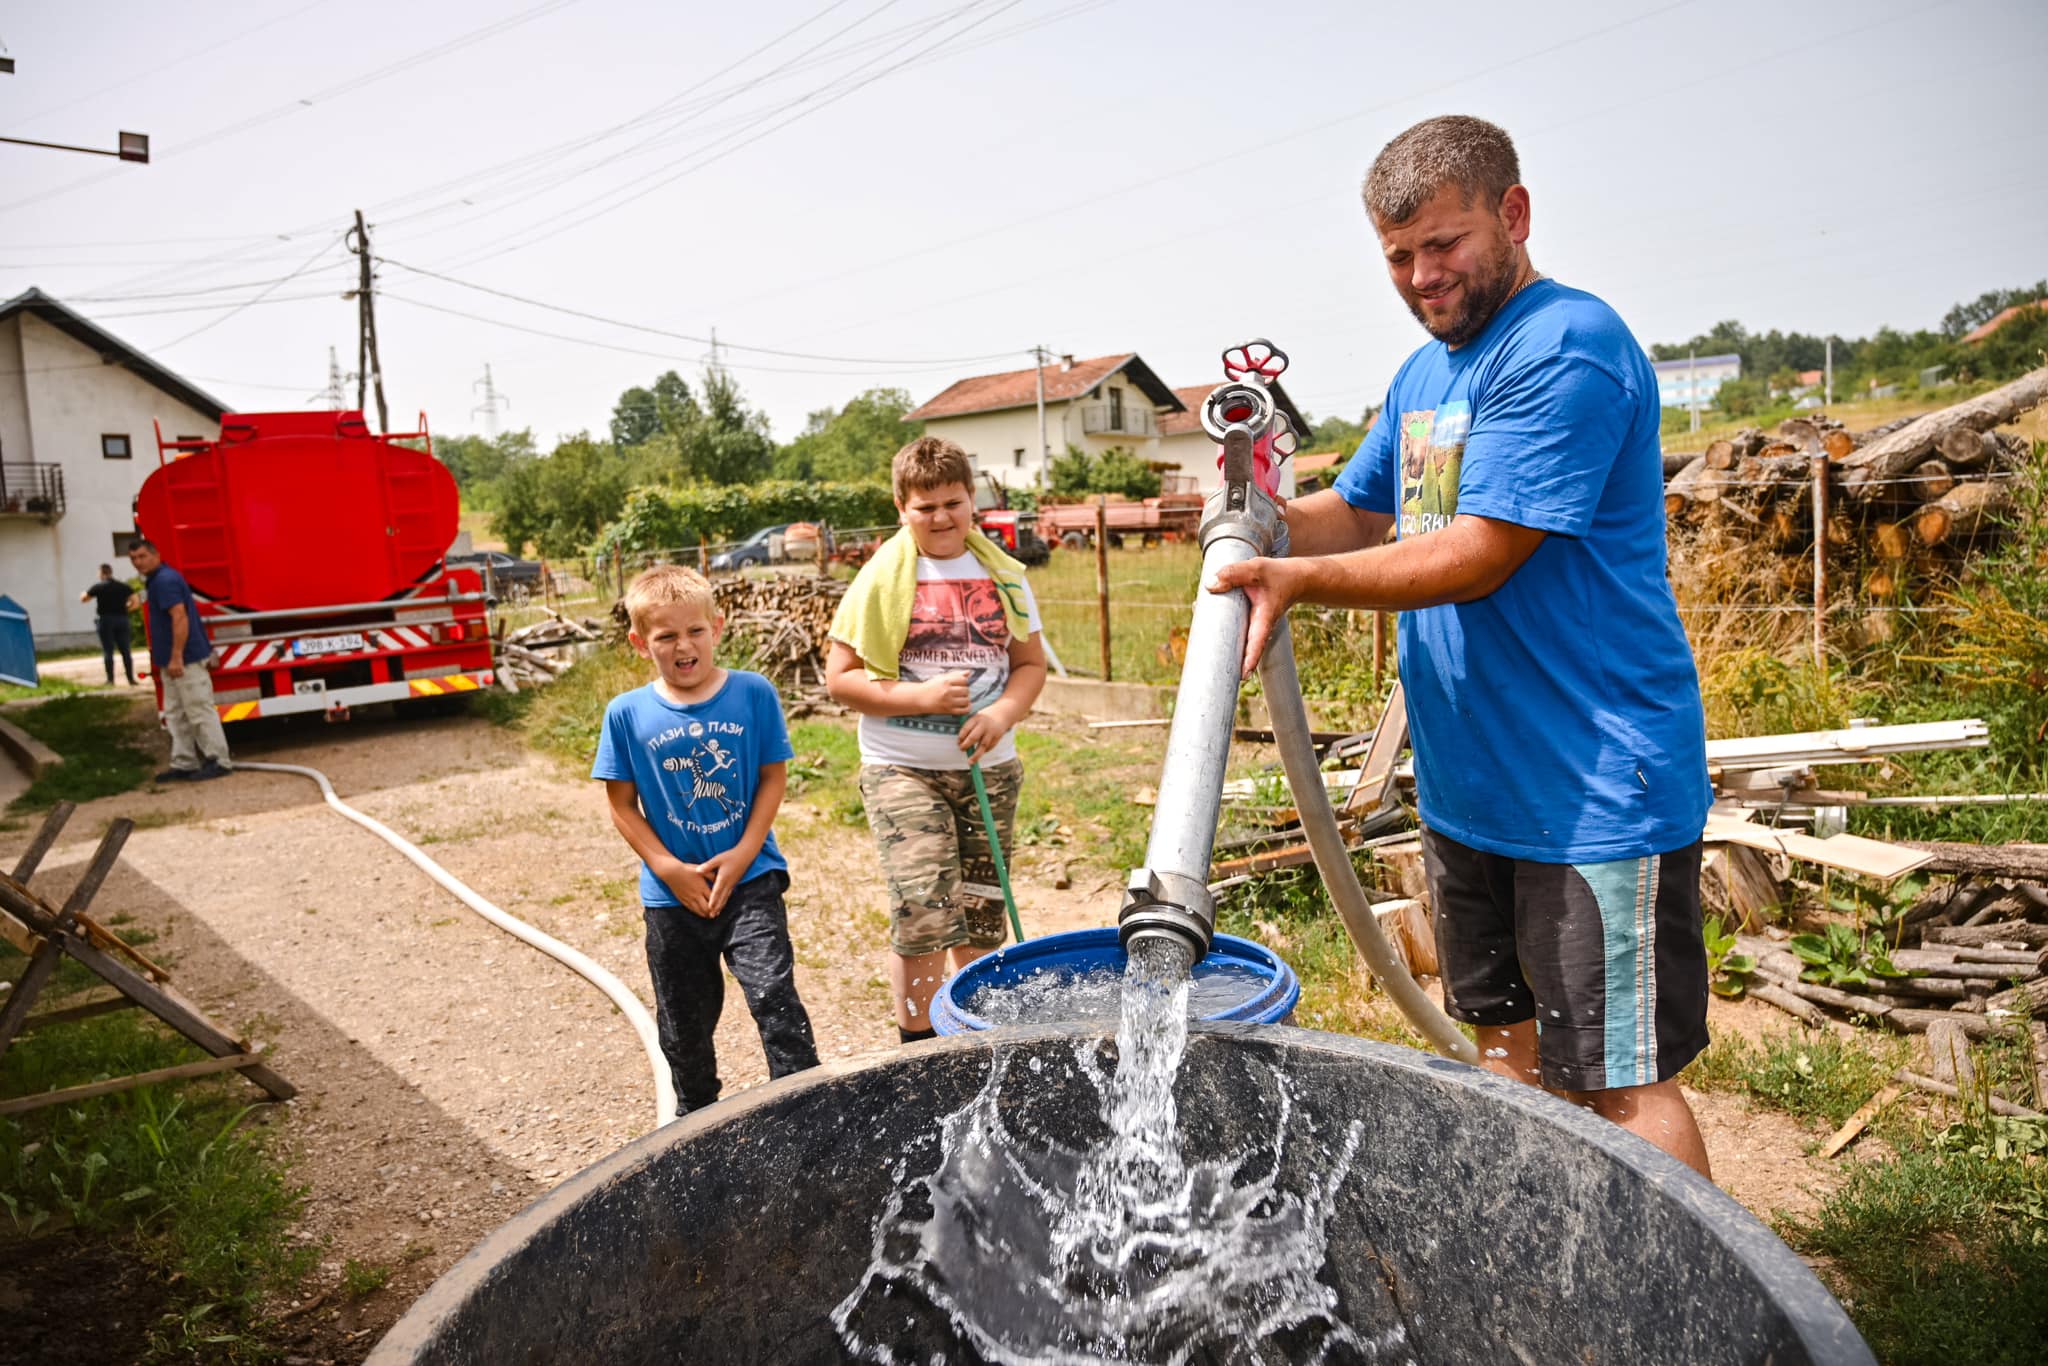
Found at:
<point>696,768</point>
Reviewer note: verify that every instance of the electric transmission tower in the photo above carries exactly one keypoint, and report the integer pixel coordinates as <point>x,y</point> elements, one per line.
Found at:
<point>489,407</point>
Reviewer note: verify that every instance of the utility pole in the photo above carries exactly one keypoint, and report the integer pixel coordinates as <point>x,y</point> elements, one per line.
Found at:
<point>368,369</point>
<point>715,367</point>
<point>1044,450</point>
<point>1828,384</point>
<point>1692,386</point>
<point>489,407</point>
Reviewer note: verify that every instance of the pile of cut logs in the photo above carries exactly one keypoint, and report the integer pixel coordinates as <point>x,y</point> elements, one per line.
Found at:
<point>538,651</point>
<point>1898,497</point>
<point>1975,950</point>
<point>785,621</point>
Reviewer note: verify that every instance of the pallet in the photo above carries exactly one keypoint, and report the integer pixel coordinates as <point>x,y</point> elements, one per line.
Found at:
<point>49,934</point>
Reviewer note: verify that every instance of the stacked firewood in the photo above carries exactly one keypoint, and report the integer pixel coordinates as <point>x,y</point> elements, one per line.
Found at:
<point>784,624</point>
<point>1899,498</point>
<point>1974,951</point>
<point>541,650</point>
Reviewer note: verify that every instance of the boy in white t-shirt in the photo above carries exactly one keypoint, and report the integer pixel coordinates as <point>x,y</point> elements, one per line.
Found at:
<point>937,645</point>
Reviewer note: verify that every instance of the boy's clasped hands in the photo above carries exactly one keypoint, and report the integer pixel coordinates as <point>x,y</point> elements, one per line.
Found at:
<point>703,888</point>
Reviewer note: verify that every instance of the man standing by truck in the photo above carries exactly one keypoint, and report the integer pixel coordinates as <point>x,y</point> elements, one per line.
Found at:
<point>1560,748</point>
<point>180,651</point>
<point>112,597</point>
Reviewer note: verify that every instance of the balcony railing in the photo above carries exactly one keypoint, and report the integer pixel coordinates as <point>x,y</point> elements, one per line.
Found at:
<point>31,490</point>
<point>1102,419</point>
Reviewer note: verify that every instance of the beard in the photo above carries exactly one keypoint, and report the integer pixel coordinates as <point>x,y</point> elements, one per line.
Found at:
<point>1485,292</point>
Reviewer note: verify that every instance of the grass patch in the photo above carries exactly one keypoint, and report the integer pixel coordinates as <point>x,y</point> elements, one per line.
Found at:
<point>360,1280</point>
<point>563,718</point>
<point>100,738</point>
<point>826,769</point>
<point>49,687</point>
<point>1940,1253</point>
<point>1085,787</point>
<point>1811,1075</point>
<point>175,1171</point>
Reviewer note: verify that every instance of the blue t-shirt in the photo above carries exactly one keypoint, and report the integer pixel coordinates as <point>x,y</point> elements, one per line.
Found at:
<point>165,589</point>
<point>696,768</point>
<point>1558,718</point>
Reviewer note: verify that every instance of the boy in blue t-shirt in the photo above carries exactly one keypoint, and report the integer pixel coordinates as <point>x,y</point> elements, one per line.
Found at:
<point>694,766</point>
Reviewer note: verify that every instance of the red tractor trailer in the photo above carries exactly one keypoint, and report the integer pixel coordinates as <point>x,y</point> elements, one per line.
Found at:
<point>317,551</point>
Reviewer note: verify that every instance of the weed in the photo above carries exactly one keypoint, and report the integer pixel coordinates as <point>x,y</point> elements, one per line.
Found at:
<point>359,1280</point>
<point>1842,957</point>
<point>100,738</point>
<point>159,818</point>
<point>178,1170</point>
<point>1728,969</point>
<point>1811,1075</point>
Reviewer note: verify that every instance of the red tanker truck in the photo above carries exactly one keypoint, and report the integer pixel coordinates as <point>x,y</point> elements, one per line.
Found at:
<point>317,551</point>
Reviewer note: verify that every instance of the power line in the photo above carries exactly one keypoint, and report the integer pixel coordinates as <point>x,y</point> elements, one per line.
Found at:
<point>642,351</point>
<point>688,337</point>
<point>702,161</point>
<point>237,309</point>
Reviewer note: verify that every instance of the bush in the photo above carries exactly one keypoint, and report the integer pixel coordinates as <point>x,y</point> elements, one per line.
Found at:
<point>666,518</point>
<point>1116,470</point>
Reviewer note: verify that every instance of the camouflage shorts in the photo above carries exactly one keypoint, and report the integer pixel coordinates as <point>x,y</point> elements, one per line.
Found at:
<point>934,850</point>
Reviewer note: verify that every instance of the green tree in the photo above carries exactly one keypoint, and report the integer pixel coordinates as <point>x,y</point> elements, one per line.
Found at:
<point>1335,433</point>
<point>478,463</point>
<point>1969,316</point>
<point>1116,470</point>
<point>642,413</point>
<point>559,502</point>
<point>851,443</point>
<point>1741,397</point>
<point>720,441</point>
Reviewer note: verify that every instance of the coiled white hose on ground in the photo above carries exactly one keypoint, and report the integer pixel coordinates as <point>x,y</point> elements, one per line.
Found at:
<point>621,996</point>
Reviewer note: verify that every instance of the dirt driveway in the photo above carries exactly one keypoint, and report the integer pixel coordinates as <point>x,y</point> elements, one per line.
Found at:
<point>449,1074</point>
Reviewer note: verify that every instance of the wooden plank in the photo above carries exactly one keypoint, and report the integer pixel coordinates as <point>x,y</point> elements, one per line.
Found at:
<point>53,825</point>
<point>225,1063</point>
<point>82,1012</point>
<point>1859,1121</point>
<point>167,1005</point>
<point>1850,853</point>
<point>14,1014</point>
<point>95,873</point>
<point>105,938</point>
<point>19,935</point>
<point>1376,772</point>
<point>1851,745</point>
<point>1999,1104</point>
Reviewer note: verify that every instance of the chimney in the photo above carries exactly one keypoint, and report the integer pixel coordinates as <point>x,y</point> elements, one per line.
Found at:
<point>1066,363</point>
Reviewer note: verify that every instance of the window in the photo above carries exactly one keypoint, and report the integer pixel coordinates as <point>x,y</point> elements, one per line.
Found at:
<point>1116,410</point>
<point>115,446</point>
<point>1017,457</point>
<point>122,540</point>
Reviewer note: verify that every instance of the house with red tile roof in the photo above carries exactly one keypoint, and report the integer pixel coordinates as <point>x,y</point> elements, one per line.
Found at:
<point>1095,405</point>
<point>1192,452</point>
<point>1991,325</point>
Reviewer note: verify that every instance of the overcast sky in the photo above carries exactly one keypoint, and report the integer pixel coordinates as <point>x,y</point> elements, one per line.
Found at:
<point>921,190</point>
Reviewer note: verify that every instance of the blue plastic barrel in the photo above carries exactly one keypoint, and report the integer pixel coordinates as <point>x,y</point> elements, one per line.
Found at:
<point>1269,999</point>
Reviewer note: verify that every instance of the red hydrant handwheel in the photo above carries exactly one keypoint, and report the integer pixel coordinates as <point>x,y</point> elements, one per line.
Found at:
<point>1257,357</point>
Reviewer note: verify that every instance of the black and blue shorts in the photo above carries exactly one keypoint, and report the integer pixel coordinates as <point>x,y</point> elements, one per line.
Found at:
<point>1606,958</point>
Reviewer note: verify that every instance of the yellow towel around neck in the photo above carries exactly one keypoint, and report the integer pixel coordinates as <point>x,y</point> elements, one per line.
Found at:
<point>874,616</point>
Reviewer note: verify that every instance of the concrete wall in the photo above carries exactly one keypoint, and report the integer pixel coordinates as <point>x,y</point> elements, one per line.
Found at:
<point>67,399</point>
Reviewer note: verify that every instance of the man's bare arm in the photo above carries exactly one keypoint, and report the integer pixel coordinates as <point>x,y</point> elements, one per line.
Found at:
<point>1467,560</point>
<point>1324,524</point>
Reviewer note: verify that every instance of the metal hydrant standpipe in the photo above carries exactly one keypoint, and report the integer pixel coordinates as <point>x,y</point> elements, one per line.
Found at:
<point>1168,896</point>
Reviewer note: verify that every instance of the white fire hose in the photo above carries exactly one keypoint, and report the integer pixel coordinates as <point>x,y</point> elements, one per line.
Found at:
<point>621,996</point>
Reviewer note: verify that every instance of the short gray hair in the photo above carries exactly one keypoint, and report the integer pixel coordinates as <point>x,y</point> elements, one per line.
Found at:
<point>1456,149</point>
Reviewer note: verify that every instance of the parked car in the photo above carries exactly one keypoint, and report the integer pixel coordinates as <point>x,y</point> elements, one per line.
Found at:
<point>753,550</point>
<point>504,576</point>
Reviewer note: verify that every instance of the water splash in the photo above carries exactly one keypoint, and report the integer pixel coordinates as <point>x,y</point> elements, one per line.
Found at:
<point>1023,1250</point>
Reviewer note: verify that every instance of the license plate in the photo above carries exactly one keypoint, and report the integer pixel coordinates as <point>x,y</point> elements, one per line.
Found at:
<point>326,645</point>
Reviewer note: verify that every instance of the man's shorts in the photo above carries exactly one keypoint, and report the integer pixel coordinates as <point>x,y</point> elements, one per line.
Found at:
<point>1607,958</point>
<point>928,830</point>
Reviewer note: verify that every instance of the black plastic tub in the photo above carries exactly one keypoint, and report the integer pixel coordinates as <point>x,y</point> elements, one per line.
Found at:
<point>1497,1223</point>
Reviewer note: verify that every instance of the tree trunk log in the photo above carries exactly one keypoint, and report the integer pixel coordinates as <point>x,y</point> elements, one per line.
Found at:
<point>1805,1011</point>
<point>1890,456</point>
<point>2028,861</point>
<point>1999,1104</point>
<point>1948,1050</point>
<point>1931,479</point>
<point>2020,933</point>
<point>1890,541</point>
<point>1674,461</point>
<point>1966,449</point>
<point>1838,444</point>
<point>1678,491</point>
<point>1918,1022</point>
<point>1961,512</point>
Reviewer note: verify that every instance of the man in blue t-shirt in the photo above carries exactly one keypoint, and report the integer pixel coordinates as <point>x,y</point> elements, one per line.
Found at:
<point>180,653</point>
<point>694,766</point>
<point>1560,747</point>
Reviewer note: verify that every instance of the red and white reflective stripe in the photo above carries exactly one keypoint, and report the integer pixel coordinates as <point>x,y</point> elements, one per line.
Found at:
<point>252,654</point>
<point>401,638</point>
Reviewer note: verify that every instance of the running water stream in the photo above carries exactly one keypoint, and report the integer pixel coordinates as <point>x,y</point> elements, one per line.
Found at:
<point>1022,1250</point>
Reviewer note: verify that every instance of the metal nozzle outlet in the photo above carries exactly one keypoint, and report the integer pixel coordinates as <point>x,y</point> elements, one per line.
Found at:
<point>1167,904</point>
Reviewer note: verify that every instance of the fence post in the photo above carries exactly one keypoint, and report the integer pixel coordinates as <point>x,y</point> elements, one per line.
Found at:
<point>1379,652</point>
<point>1820,564</point>
<point>1102,578</point>
<point>703,557</point>
<point>619,561</point>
